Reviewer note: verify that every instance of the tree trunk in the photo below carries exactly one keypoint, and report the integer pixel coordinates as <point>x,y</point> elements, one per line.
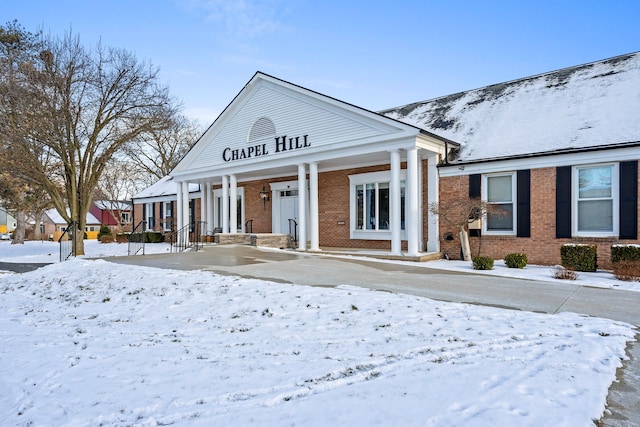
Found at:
<point>21,220</point>
<point>464,241</point>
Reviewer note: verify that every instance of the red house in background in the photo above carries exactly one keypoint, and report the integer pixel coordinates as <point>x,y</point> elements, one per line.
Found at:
<point>114,213</point>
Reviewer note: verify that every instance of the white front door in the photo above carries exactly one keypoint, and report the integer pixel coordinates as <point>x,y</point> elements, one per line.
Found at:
<point>288,210</point>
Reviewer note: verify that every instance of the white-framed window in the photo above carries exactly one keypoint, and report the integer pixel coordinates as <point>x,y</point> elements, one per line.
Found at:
<point>499,191</point>
<point>370,205</point>
<point>167,221</point>
<point>217,212</point>
<point>149,214</point>
<point>125,217</point>
<point>595,203</point>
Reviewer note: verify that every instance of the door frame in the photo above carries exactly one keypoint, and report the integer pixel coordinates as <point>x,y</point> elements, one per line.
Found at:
<point>276,188</point>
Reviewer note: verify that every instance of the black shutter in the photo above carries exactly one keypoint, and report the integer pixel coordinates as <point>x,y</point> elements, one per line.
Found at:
<point>474,186</point>
<point>629,200</point>
<point>161,215</point>
<point>523,194</point>
<point>153,215</point>
<point>563,202</point>
<point>173,214</point>
<point>144,212</point>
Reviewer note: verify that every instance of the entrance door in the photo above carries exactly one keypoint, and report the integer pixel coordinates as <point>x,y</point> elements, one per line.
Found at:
<point>288,210</point>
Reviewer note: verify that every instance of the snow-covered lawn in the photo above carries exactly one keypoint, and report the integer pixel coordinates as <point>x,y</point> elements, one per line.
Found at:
<point>87,343</point>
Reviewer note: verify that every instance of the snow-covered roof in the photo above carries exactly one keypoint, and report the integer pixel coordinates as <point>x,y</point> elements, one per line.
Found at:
<point>591,105</point>
<point>164,187</point>
<point>56,218</point>
<point>120,205</point>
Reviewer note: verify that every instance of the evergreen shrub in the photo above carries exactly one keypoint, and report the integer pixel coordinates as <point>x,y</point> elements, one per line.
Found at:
<point>579,257</point>
<point>628,270</point>
<point>516,260</point>
<point>482,263</point>
<point>625,253</point>
<point>104,231</point>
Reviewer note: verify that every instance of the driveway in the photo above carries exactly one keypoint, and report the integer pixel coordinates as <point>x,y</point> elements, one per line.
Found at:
<point>518,294</point>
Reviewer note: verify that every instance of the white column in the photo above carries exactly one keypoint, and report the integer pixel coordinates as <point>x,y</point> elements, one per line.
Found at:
<point>207,188</point>
<point>233,204</point>
<point>225,204</point>
<point>313,208</point>
<point>204,199</point>
<point>302,207</point>
<point>394,202</point>
<point>178,214</point>
<point>433,196</point>
<point>411,201</point>
<point>185,208</point>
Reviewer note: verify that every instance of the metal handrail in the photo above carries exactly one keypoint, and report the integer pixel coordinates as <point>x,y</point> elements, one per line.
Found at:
<point>137,239</point>
<point>294,236</point>
<point>67,241</point>
<point>188,237</point>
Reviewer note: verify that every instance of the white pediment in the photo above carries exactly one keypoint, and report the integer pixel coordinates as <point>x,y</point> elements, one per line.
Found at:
<point>272,121</point>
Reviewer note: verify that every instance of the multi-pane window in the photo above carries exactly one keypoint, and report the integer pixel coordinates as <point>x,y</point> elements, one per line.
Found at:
<point>499,192</point>
<point>594,190</point>
<point>372,206</point>
<point>168,216</point>
<point>149,218</point>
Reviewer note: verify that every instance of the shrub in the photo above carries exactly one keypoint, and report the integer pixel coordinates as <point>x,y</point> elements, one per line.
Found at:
<point>579,257</point>
<point>625,253</point>
<point>516,260</point>
<point>149,237</point>
<point>560,272</point>
<point>107,239</point>
<point>104,231</point>
<point>482,263</point>
<point>121,238</point>
<point>627,270</point>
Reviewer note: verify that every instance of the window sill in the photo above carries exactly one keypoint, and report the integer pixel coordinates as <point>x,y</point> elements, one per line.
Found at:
<point>375,235</point>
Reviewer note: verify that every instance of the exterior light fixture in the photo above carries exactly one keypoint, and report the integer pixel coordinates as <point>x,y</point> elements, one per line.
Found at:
<point>264,195</point>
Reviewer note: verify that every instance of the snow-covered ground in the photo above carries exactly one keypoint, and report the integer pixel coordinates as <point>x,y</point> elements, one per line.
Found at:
<point>87,343</point>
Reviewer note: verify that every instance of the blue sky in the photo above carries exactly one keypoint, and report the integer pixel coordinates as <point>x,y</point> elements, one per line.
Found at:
<point>374,54</point>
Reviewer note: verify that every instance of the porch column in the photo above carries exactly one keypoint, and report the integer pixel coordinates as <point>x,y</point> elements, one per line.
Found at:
<point>233,204</point>
<point>302,207</point>
<point>313,208</point>
<point>179,216</point>
<point>433,196</point>
<point>185,208</point>
<point>208,188</point>
<point>395,217</point>
<point>204,200</point>
<point>411,201</point>
<point>225,204</point>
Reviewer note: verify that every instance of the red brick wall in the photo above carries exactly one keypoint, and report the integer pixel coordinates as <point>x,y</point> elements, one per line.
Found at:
<point>542,247</point>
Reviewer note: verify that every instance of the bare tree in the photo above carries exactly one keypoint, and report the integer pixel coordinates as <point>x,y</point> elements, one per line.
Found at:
<point>461,212</point>
<point>158,152</point>
<point>82,107</point>
<point>120,181</point>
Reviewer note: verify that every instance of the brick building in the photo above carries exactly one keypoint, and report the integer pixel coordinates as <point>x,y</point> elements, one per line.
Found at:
<point>556,152</point>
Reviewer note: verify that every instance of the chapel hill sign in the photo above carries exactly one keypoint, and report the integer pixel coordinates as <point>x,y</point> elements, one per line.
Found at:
<point>282,144</point>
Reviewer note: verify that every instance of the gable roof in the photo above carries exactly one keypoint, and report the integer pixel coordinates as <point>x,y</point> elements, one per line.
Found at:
<point>163,187</point>
<point>275,109</point>
<point>106,205</point>
<point>586,106</point>
<point>56,218</point>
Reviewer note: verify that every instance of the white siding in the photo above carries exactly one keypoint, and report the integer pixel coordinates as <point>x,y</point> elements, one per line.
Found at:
<point>294,114</point>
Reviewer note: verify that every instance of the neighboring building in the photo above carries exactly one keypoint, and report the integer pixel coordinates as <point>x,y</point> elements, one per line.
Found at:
<point>55,225</point>
<point>7,223</point>
<point>558,152</point>
<point>116,214</point>
<point>156,205</point>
